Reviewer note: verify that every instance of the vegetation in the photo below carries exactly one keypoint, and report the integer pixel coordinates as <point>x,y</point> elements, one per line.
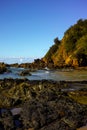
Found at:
<point>52,50</point>
<point>48,105</point>
<point>72,49</point>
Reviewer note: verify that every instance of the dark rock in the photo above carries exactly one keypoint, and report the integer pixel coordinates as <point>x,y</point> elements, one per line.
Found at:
<point>25,72</point>
<point>44,106</point>
<point>6,120</point>
<point>3,68</point>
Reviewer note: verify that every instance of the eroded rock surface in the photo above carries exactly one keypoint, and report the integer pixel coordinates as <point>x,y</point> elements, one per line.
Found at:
<point>42,105</point>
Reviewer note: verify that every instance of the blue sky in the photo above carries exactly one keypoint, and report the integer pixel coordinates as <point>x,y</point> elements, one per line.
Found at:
<point>28,27</point>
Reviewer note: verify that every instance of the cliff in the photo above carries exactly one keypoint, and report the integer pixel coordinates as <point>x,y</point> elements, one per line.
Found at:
<point>72,49</point>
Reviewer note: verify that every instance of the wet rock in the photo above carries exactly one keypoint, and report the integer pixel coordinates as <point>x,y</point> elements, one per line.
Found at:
<point>25,72</point>
<point>43,104</point>
<point>61,113</point>
<point>6,119</point>
<point>3,68</point>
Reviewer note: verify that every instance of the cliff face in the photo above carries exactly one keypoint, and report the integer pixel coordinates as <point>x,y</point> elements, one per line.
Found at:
<point>72,49</point>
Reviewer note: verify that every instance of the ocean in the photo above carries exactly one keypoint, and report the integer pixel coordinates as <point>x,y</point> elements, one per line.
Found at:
<point>18,60</point>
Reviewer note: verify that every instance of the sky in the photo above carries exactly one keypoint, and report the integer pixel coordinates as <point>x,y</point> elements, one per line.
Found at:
<point>28,27</point>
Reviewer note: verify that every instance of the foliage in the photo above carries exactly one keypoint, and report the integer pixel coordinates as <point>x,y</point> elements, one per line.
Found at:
<point>82,45</point>
<point>52,50</point>
<point>81,51</point>
<point>74,33</point>
<point>73,47</point>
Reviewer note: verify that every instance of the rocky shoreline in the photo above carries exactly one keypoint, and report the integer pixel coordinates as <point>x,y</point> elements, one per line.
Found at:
<point>42,105</point>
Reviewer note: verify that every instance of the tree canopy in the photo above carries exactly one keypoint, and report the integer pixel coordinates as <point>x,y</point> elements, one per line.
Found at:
<point>73,46</point>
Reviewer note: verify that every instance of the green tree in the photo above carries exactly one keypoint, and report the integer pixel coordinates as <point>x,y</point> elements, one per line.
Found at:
<point>73,34</point>
<point>81,51</point>
<point>52,50</point>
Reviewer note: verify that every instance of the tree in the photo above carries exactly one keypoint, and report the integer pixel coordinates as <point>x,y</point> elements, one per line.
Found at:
<point>52,50</point>
<point>81,51</point>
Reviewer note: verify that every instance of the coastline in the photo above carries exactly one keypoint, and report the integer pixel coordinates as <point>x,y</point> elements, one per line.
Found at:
<point>44,104</point>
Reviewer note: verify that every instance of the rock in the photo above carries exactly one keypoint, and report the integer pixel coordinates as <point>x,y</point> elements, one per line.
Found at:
<point>16,111</point>
<point>6,119</point>
<point>25,72</point>
<point>3,68</point>
<point>42,105</point>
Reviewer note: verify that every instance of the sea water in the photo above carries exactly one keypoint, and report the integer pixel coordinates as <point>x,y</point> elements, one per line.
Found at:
<point>58,75</point>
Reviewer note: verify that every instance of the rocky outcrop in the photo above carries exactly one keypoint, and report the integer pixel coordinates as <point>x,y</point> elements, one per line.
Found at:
<point>3,68</point>
<point>6,120</point>
<point>71,51</point>
<point>60,113</point>
<point>37,64</point>
<point>25,73</point>
<point>42,105</point>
